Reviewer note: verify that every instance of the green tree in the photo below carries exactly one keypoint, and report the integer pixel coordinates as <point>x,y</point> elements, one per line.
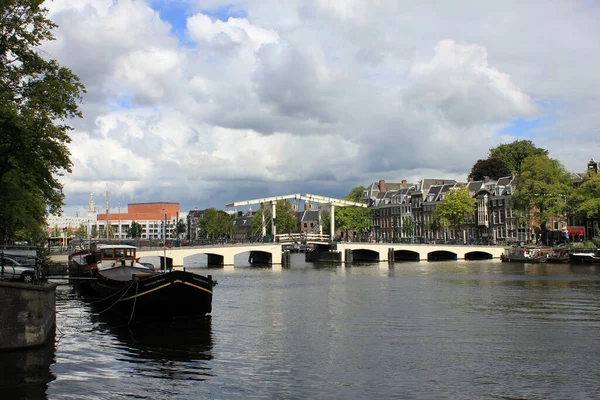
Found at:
<point>21,213</point>
<point>95,231</point>
<point>285,219</point>
<point>37,96</point>
<point>454,208</point>
<point>216,223</point>
<point>353,219</point>
<point>408,226</point>
<point>135,230</point>
<point>541,193</point>
<point>81,232</point>
<point>586,199</point>
<point>490,167</point>
<point>513,154</point>
<point>180,228</point>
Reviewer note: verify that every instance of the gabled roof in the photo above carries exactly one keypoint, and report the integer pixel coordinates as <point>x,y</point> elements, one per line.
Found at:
<point>425,184</point>
<point>307,216</point>
<point>242,221</point>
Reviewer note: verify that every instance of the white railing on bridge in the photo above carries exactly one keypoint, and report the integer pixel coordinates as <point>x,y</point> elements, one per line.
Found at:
<point>302,237</point>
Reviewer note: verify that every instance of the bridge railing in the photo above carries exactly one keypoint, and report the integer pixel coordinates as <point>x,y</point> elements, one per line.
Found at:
<point>301,237</point>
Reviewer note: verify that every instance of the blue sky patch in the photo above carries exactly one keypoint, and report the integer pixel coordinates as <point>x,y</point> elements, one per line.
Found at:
<point>521,127</point>
<point>223,13</point>
<point>175,13</point>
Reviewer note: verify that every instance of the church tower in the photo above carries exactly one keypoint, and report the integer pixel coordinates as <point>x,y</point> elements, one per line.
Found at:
<point>92,211</point>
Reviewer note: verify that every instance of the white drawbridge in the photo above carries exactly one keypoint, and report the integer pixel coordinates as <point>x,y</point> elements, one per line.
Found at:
<point>269,203</point>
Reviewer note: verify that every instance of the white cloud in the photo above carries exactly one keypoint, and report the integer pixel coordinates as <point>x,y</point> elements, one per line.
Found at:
<point>237,30</point>
<point>317,95</point>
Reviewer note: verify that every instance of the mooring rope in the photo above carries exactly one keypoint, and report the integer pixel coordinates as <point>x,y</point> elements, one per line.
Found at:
<point>134,300</point>
<point>113,304</point>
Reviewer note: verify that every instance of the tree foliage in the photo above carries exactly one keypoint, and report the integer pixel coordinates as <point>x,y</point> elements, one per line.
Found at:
<point>135,230</point>
<point>285,218</point>
<point>586,199</point>
<point>180,228</point>
<point>543,187</point>
<point>215,223</point>
<point>490,167</point>
<point>81,232</point>
<point>352,219</point>
<point>454,207</point>
<point>513,154</point>
<point>408,226</point>
<point>37,96</point>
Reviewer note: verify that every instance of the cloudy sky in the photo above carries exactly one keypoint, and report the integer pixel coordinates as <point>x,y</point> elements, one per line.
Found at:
<point>209,102</point>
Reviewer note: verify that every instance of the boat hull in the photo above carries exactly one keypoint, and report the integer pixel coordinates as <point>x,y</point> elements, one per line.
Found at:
<point>170,295</point>
<point>584,259</point>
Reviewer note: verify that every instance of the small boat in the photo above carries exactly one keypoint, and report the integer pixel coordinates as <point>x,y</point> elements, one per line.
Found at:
<point>585,257</point>
<point>85,263</point>
<point>558,257</point>
<point>82,262</point>
<point>524,255</point>
<point>137,292</point>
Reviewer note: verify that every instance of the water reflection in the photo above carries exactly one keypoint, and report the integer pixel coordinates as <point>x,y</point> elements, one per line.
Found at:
<point>178,349</point>
<point>25,374</point>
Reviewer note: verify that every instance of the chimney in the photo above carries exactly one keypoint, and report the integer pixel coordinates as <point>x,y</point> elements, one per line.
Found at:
<point>404,183</point>
<point>381,185</point>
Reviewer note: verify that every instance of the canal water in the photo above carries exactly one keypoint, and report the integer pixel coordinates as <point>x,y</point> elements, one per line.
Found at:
<point>420,330</point>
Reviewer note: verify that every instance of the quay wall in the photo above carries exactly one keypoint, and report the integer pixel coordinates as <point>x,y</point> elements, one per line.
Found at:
<point>27,315</point>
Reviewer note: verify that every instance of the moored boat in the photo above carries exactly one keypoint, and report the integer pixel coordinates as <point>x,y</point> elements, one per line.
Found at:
<point>585,257</point>
<point>524,255</point>
<point>138,293</point>
<point>85,262</point>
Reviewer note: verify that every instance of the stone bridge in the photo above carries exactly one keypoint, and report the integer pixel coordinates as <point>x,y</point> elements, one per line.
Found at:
<point>264,253</point>
<point>415,252</point>
<point>271,253</point>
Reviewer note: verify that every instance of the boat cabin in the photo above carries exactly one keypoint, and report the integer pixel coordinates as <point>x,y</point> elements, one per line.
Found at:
<point>113,252</point>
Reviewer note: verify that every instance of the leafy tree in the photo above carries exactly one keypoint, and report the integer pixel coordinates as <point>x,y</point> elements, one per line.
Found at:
<point>543,186</point>
<point>513,154</point>
<point>37,96</point>
<point>285,219</point>
<point>408,226</point>
<point>586,199</point>
<point>180,228</point>
<point>454,207</point>
<point>95,231</point>
<point>135,230</point>
<point>491,167</point>
<point>81,232</point>
<point>215,223</point>
<point>352,219</point>
<point>21,214</point>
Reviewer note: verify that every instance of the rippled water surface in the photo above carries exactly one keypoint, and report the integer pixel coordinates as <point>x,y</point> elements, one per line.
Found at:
<point>443,330</point>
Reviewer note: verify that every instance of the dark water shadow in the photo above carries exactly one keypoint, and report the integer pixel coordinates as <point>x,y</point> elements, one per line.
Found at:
<point>25,374</point>
<point>167,349</point>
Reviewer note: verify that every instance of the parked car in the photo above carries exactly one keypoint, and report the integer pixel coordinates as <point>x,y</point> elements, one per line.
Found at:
<point>16,271</point>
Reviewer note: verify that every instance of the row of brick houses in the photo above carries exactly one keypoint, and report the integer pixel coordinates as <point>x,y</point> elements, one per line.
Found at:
<point>404,212</point>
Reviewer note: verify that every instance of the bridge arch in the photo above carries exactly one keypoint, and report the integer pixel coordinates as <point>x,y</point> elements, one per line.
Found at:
<point>442,255</point>
<point>365,255</point>
<point>406,255</point>
<point>478,255</point>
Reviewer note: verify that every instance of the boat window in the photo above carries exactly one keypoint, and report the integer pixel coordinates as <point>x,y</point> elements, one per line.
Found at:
<point>119,253</point>
<point>107,253</point>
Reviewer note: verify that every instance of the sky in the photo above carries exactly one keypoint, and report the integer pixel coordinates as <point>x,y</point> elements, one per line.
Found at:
<point>209,102</point>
